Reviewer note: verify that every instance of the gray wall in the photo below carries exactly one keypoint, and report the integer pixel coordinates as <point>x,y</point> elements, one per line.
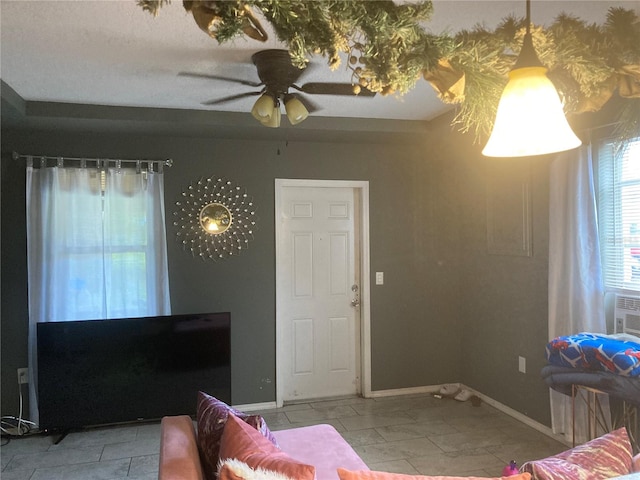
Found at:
<point>448,312</point>
<point>413,230</point>
<point>503,298</point>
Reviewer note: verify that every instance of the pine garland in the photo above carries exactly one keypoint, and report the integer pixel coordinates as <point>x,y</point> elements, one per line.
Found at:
<point>388,50</point>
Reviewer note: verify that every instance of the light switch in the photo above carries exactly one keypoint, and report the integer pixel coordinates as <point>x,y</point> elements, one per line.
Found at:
<point>522,365</point>
<point>379,278</point>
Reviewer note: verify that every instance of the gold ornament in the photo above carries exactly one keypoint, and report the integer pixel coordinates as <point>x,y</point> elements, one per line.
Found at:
<point>448,82</point>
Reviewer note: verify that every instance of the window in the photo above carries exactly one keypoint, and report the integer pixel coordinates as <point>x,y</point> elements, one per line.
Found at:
<point>619,213</point>
<point>105,260</point>
<point>97,244</point>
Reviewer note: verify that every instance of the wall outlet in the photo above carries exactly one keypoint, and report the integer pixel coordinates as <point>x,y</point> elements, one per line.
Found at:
<point>522,365</point>
<point>23,376</point>
<point>379,278</point>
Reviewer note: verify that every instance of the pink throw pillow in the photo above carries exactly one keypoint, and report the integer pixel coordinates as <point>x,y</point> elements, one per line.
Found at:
<point>211,418</point>
<point>242,442</point>
<point>603,457</point>
<point>372,475</point>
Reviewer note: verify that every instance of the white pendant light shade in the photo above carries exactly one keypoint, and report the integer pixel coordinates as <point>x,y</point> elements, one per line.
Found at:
<point>296,111</point>
<point>530,119</point>
<point>263,108</point>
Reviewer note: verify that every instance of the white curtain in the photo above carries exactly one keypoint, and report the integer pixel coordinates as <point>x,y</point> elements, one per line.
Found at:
<point>576,292</point>
<point>96,248</point>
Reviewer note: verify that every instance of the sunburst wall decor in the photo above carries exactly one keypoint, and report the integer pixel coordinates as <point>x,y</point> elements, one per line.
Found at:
<point>215,219</point>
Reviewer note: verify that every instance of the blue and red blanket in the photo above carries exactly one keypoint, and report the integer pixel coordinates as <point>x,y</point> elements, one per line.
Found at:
<point>596,353</point>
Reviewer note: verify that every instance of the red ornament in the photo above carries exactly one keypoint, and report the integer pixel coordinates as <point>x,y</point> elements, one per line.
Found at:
<point>511,469</point>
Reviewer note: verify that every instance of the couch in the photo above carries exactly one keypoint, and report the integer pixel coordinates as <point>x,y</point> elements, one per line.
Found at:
<point>232,445</point>
<point>180,459</point>
<point>305,453</point>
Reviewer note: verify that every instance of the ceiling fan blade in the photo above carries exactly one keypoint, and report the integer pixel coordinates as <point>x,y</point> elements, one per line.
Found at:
<point>220,77</point>
<point>231,98</point>
<point>322,88</point>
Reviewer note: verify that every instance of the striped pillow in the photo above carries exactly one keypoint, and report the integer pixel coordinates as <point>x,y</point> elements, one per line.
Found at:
<point>603,457</point>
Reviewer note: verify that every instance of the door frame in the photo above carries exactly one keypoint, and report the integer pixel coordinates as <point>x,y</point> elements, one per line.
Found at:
<point>361,189</point>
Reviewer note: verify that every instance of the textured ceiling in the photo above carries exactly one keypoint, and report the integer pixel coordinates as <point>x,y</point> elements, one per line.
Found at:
<point>113,53</point>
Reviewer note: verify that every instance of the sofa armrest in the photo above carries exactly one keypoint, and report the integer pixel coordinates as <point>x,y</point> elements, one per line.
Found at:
<point>635,463</point>
<point>179,456</point>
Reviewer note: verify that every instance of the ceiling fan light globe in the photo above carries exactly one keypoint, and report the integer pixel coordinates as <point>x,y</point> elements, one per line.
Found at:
<point>263,108</point>
<point>273,121</point>
<point>296,111</point>
<point>530,118</point>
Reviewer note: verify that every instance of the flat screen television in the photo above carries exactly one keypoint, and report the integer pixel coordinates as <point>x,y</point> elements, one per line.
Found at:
<point>98,372</point>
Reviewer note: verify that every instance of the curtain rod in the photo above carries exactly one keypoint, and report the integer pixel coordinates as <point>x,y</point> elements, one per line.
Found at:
<point>168,162</point>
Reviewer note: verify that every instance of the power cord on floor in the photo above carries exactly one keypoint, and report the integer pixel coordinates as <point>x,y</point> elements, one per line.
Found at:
<point>11,426</point>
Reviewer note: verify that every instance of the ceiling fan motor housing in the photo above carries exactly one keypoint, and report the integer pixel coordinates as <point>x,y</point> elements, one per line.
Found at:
<point>276,71</point>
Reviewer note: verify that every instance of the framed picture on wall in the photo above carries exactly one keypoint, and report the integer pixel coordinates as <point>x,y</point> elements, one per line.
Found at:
<point>509,230</point>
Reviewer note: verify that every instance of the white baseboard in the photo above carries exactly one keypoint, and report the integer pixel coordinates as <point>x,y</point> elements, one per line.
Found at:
<point>519,416</point>
<point>408,391</point>
<point>252,407</point>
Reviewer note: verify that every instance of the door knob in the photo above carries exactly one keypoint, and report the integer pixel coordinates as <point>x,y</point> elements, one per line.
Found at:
<point>356,301</point>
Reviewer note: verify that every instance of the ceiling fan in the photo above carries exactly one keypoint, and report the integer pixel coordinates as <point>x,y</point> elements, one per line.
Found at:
<point>277,76</point>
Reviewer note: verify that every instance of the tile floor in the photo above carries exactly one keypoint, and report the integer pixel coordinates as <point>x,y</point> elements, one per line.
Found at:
<point>416,434</point>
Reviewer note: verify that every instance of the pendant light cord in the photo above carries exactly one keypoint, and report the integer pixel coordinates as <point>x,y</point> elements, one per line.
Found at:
<point>527,56</point>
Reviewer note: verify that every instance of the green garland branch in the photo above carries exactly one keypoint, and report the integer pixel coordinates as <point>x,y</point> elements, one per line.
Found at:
<point>388,50</point>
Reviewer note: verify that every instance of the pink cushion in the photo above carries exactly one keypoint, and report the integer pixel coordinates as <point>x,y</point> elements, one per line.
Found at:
<point>603,457</point>
<point>212,416</point>
<point>178,450</point>
<point>243,442</point>
<point>371,475</point>
<point>302,444</point>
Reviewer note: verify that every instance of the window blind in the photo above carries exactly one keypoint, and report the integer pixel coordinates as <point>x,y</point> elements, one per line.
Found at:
<point>619,213</point>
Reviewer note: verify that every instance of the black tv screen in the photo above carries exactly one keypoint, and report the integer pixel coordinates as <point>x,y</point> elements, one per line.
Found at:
<point>99,372</point>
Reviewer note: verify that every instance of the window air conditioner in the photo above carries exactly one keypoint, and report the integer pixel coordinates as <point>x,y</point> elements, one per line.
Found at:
<point>627,314</point>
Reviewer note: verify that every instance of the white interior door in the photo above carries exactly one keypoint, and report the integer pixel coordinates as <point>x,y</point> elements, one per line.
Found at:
<point>318,292</point>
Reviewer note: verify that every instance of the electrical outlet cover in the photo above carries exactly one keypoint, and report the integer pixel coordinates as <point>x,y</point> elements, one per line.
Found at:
<point>23,376</point>
<point>522,365</point>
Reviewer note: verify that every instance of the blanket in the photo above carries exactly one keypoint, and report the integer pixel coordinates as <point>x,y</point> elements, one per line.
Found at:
<point>596,353</point>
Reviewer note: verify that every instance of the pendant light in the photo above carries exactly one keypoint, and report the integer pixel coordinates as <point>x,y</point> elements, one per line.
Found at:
<point>530,119</point>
